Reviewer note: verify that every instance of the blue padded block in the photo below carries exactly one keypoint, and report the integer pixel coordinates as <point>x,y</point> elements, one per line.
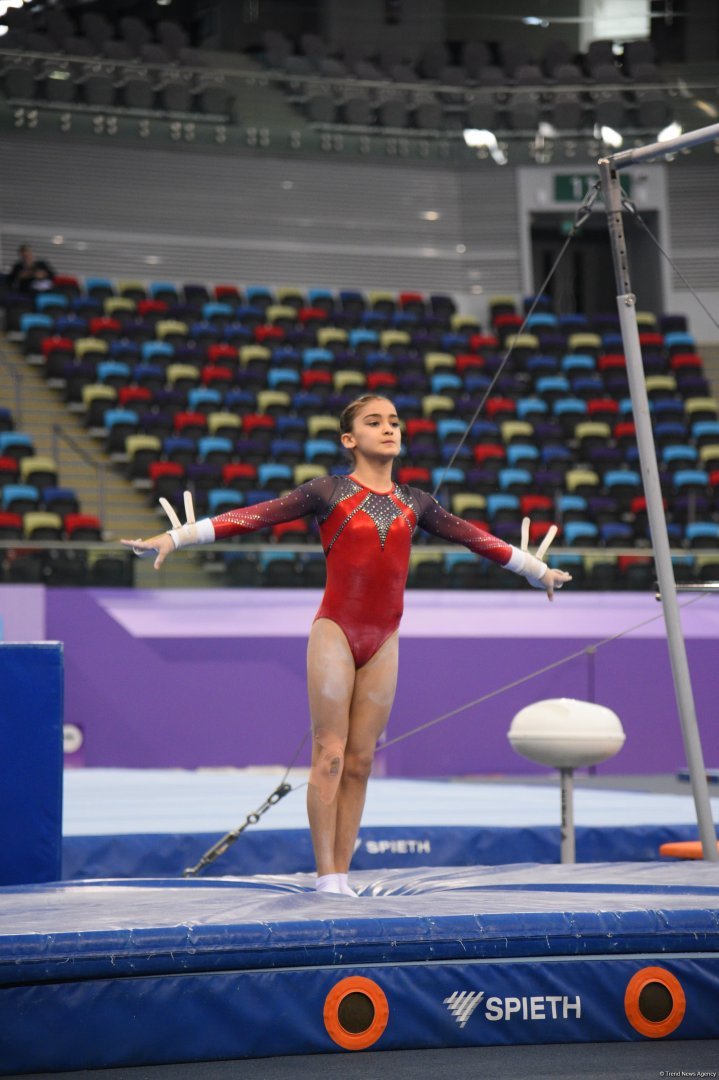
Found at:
<point>31,678</point>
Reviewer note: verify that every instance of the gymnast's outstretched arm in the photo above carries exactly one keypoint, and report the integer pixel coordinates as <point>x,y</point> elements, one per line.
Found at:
<point>311,498</point>
<point>434,519</point>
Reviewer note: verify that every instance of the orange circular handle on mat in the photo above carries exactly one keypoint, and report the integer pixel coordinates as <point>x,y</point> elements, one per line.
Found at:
<point>635,1008</point>
<point>356,1013</point>
<point>683,849</point>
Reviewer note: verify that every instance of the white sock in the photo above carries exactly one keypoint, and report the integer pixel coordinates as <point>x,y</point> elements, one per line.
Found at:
<point>327,883</point>
<point>344,886</point>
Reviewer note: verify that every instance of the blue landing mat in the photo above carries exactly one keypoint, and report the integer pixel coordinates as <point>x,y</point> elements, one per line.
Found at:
<point>111,973</point>
<point>154,823</point>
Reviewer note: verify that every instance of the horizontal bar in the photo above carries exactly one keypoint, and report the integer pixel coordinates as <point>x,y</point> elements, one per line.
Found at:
<point>662,149</point>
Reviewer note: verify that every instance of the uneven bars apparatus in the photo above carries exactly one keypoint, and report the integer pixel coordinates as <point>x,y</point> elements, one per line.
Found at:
<point>626,303</point>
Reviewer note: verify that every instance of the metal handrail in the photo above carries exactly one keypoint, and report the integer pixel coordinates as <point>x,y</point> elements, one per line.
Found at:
<point>17,378</point>
<point>60,435</point>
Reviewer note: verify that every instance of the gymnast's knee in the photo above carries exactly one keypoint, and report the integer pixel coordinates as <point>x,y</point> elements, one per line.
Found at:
<point>327,766</point>
<point>358,765</point>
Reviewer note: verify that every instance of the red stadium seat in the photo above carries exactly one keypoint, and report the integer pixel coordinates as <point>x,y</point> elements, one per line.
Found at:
<point>410,475</point>
<point>127,396</point>
<point>82,527</point>
<point>468,362</point>
<point>480,342</point>
<point>268,333</point>
<point>417,426</point>
<point>190,423</point>
<point>381,381</point>
<point>223,354</point>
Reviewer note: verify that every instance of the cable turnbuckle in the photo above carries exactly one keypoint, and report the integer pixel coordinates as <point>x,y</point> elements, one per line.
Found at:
<point>229,838</point>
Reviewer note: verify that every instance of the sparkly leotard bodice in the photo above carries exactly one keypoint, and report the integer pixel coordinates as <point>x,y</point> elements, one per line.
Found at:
<point>366,536</point>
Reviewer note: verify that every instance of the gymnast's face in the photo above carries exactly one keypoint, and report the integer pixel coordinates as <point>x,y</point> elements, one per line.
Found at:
<point>375,431</point>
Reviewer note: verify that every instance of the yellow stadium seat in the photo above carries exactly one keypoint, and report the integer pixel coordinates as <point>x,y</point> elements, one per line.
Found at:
<point>41,525</point>
<point>254,353</point>
<point>224,424</point>
<point>436,406</point>
<point>304,472</point>
<point>89,346</point>
<point>439,361</point>
<point>323,427</point>
<point>273,401</point>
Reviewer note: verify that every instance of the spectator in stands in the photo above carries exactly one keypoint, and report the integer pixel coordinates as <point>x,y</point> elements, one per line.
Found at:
<point>366,524</point>
<point>30,274</point>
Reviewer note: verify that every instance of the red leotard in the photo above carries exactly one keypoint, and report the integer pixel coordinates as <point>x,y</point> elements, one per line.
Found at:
<point>366,536</point>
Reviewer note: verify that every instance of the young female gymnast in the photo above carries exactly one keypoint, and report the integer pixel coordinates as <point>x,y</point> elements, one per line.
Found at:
<point>366,524</point>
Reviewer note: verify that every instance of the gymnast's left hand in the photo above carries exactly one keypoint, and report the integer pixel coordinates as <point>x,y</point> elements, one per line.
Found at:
<point>552,580</point>
<point>160,546</point>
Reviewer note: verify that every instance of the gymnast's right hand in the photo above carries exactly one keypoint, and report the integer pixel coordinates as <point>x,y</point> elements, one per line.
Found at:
<point>161,546</point>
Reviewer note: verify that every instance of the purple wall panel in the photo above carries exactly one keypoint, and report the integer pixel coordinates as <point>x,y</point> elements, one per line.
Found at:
<point>194,695</point>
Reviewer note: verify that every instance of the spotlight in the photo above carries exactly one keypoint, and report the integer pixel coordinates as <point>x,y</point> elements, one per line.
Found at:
<point>671,131</point>
<point>480,138</point>
<point>609,136</point>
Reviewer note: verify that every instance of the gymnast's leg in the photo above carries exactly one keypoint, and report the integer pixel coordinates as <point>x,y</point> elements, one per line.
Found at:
<point>374,689</point>
<point>330,683</point>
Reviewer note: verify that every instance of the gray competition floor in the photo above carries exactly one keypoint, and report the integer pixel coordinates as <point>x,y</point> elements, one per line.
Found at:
<point>119,801</point>
<point>590,1061</point>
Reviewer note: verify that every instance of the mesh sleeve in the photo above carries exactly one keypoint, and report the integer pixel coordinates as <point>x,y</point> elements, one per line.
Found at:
<point>434,519</point>
<point>310,498</point>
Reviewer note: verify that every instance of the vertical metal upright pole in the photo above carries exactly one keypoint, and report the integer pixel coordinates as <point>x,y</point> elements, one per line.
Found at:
<point>626,302</point>
<point>567,847</point>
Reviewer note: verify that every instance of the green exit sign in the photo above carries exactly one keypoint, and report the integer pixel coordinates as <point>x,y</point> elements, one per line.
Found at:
<point>573,187</point>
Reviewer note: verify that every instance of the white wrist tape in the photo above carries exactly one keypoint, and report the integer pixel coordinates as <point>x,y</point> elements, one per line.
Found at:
<point>197,532</point>
<point>529,566</point>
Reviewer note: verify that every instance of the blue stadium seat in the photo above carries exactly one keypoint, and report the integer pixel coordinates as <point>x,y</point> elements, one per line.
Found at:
<point>32,321</point>
<point>574,363</point>
<point>499,504</point>
<point>363,339</point>
<point>622,481</point>
<point>291,425</point>
<point>675,341</point>
<point>691,480</point>
<point>274,476</point>
<point>571,507</point>
<point>288,451</point>
<point>259,296</point>
<point>678,457</point>
<point>580,533</point>
<point>156,350</point>
<point>554,456</point>
<point>15,444</point>
<point>569,408</point>
<point>282,378</point>
<point>517,481</point>
<point>221,499</point>
<point>204,399</point>
<point>20,498</point>
<point>530,407</point>
<point>449,428</point>
<point>541,320</point>
<point>616,534</point>
<point>214,449</point>
<point>318,359</point>
<point>702,534</point>
<point>522,455</point>
<point>454,477</point>
<point>445,383</point>
<point>50,301</point>
<point>213,310</point>
<point>542,365</point>
<point>321,451</point>
<point>705,431</point>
